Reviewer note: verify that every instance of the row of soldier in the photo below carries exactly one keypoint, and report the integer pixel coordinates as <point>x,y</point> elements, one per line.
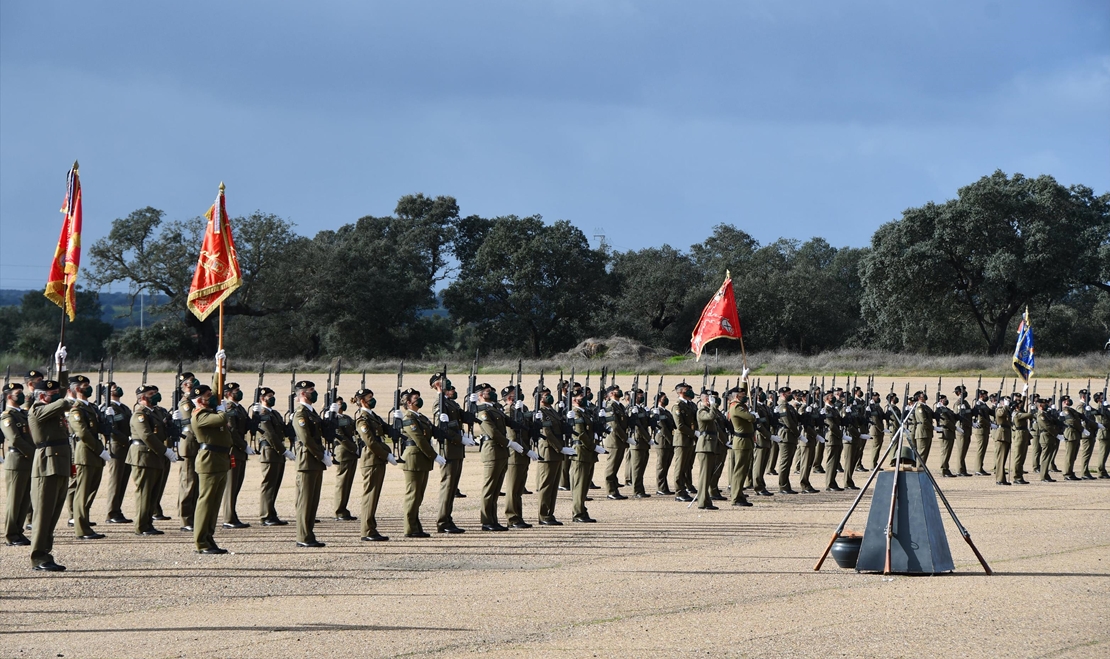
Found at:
<point>564,434</point>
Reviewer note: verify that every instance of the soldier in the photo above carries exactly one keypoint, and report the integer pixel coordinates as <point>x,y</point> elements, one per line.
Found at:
<point>238,424</point>
<point>312,460</point>
<point>561,409</point>
<point>117,420</point>
<point>418,457</point>
<point>851,448</point>
<point>616,439</point>
<point>215,437</point>
<point>1102,414</point>
<point>187,449</point>
<point>639,442</point>
<point>147,456</point>
<point>761,454</point>
<point>31,381</point>
<point>877,419</point>
<point>495,446</point>
<point>981,415</point>
<point>1090,430</point>
<point>708,436</point>
<point>1073,432</point>
<point>1046,427</point>
<point>89,455</point>
<point>451,419</point>
<point>345,453</point>
<point>665,427</point>
<point>830,416</point>
<point>743,434</point>
<point>721,454</point>
<point>923,427</point>
<point>810,419</point>
<point>552,452</point>
<point>946,421</point>
<point>19,456</point>
<point>1003,436</point>
<point>51,468</point>
<point>586,451</point>
<point>273,453</point>
<point>684,413</point>
<point>372,431</point>
<point>1021,436</point>
<point>963,429</point>
<point>516,474</point>
<point>790,425</point>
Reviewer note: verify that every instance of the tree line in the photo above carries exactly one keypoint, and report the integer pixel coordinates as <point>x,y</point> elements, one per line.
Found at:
<point>944,278</point>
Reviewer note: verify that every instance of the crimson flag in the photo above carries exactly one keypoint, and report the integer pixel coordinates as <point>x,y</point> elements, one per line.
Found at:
<point>62,280</point>
<point>719,319</point>
<point>217,274</point>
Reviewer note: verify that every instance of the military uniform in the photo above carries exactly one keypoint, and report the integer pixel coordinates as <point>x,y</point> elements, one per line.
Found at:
<point>789,430</point>
<point>1102,414</point>
<point>346,464</point>
<point>164,418</point>
<point>708,436</point>
<point>811,419</point>
<point>761,454</point>
<point>684,413</point>
<point>963,432</point>
<point>616,442</point>
<point>84,426</point>
<point>1087,444</point>
<point>495,461</point>
<point>516,474</point>
<point>272,451</point>
<point>215,443</point>
<point>18,458</point>
<point>1047,429</point>
<point>454,452</point>
<point>664,447</point>
<point>1003,437</point>
<point>118,417</point>
<point>1073,432</point>
<point>550,449</point>
<point>187,472</point>
<point>309,428</point>
<point>147,459</point>
<point>419,455</point>
<point>372,431</point>
<point>583,462</point>
<point>851,448</point>
<point>877,429</point>
<point>639,446</point>
<point>946,422</point>
<point>981,415</point>
<point>833,442</point>
<point>743,441</point>
<point>1021,438</point>
<point>238,424</point>
<point>923,430</point>
<point>50,471</point>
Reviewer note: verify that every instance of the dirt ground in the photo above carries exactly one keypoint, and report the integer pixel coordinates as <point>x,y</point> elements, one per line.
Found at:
<point>652,578</point>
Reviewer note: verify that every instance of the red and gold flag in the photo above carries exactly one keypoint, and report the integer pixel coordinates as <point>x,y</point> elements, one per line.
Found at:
<point>62,281</point>
<point>719,319</point>
<point>217,275</point>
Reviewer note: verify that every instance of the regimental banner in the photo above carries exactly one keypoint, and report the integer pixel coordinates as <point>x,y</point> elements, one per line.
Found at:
<point>719,319</point>
<point>61,283</point>
<point>217,274</point>
<point>1023,352</point>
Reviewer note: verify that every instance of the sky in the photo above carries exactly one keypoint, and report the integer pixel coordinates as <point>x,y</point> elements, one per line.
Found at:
<point>649,122</point>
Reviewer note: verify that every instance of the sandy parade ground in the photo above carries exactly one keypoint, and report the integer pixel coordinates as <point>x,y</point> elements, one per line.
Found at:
<point>653,577</point>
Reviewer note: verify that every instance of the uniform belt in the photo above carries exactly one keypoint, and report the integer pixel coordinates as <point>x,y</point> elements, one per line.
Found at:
<point>57,442</point>
<point>215,449</point>
<point>138,442</point>
<point>407,443</point>
<point>745,435</point>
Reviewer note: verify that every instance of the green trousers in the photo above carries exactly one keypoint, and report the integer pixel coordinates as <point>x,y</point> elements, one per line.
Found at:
<point>832,463</point>
<point>516,477</point>
<point>119,473</point>
<point>681,476</point>
<point>664,454</point>
<point>187,490</point>
<point>146,491</point>
<point>612,470</point>
<point>272,474</point>
<point>741,468</point>
<point>48,494</point>
<point>344,481</point>
<point>373,477</point>
<point>493,479</point>
<point>581,473</point>
<point>88,482</point>
<point>210,492</point>
<point>805,463</point>
<point>637,462</point>
<point>449,475</point>
<point>308,502</point>
<point>234,484</point>
<point>1020,449</point>
<point>1001,456</point>
<point>1071,452</point>
<point>547,482</point>
<point>705,473</point>
<point>786,457</point>
<point>17,503</point>
<point>415,484</point>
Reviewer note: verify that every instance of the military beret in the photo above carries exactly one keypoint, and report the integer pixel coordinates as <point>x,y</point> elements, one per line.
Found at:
<point>451,388</point>
<point>681,385</point>
<point>199,390</point>
<point>783,390</point>
<point>1084,391</point>
<point>942,397</point>
<point>185,376</point>
<point>483,386</point>
<point>507,390</point>
<point>361,393</point>
<point>230,386</point>
<point>713,393</point>
<point>12,386</point>
<point>32,374</point>
<point>540,390</point>
<point>265,391</point>
<point>79,379</point>
<point>46,385</point>
<point>993,396</point>
<point>145,389</point>
<point>1098,395</point>
<point>304,384</point>
<point>409,392</point>
<point>959,389</point>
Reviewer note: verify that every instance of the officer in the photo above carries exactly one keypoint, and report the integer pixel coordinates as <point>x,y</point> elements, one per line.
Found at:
<point>31,381</point>
<point>616,439</point>
<point>586,451</point>
<point>851,448</point>
<point>312,460</point>
<point>51,468</point>
<point>790,424</point>
<point>963,429</point>
<point>1046,427</point>
<point>552,452</point>
<point>981,415</point>
<point>212,429</point>
<point>685,415</point>
<point>708,436</point>
<point>562,409</point>
<point>663,421</point>
<point>187,450</point>
<point>147,456</point>
<point>830,417</point>
<point>89,455</point>
<point>946,423</point>
<point>345,455</point>
<point>18,458</point>
<point>238,424</point>
<point>418,456</point>
<point>273,452</point>
<point>639,442</point>
<point>743,435</point>
<point>451,419</point>
<point>811,419</point>
<point>116,417</point>
<point>371,430</point>
<point>1021,437</point>
<point>1003,436</point>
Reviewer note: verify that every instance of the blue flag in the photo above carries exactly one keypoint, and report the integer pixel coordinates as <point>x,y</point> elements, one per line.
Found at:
<point>1023,352</point>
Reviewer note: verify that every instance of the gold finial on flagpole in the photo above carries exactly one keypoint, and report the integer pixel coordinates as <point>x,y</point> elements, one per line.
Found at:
<point>75,165</point>
<point>221,187</point>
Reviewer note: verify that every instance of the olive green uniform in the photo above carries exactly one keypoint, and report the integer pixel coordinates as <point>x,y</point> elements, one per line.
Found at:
<point>238,424</point>
<point>84,427</point>
<point>1073,432</point>
<point>963,434</point>
<point>18,458</point>
<point>119,472</point>
<point>187,472</point>
<point>215,443</point>
<point>790,423</point>
<point>454,451</point>
<point>685,415</point>
<point>946,422</point>
<point>981,415</point>
<point>833,442</point>
<point>923,430</point>
<point>1087,444</point>
<point>851,448</point>
<point>807,449</point>
<point>309,428</point>
<point>582,463</point>
<point>419,456</point>
<point>639,447</point>
<point>372,431</point>
<point>551,459</point>
<point>271,455</point>
<point>761,453</point>
<point>346,464</point>
<point>664,447</point>
<point>616,443</point>
<point>1047,429</point>
<point>1003,436</point>
<point>743,442</point>
<point>1102,414</point>
<point>147,459</point>
<point>50,471</point>
<point>877,429</point>
<point>516,474</point>
<point>495,459</point>
<point>708,436</point>
<point>1021,439</point>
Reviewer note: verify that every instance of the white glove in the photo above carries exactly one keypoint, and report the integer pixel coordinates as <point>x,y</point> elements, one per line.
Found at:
<point>865,436</point>
<point>538,416</point>
<point>1061,438</point>
<point>1087,409</point>
<point>474,398</point>
<point>776,438</point>
<point>519,405</point>
<point>571,416</point>
<point>391,459</point>
<point>221,408</point>
<point>602,413</point>
<point>250,451</point>
<point>938,429</point>
<point>289,455</point>
<point>1,459</point>
<point>847,439</point>
<point>176,416</point>
<point>444,418</point>
<point>1024,388</point>
<point>803,440</point>
<point>327,459</point>
<point>599,449</point>
<point>334,408</point>
<point>516,447</point>
<point>170,455</point>
<point>634,409</point>
<point>532,455</point>
<point>105,455</point>
<point>820,439</point>
<point>809,408</point>
<point>440,460</point>
<point>60,354</point>
<point>632,441</point>
<point>744,374</point>
<point>221,357</point>
<point>256,408</point>
<point>566,450</point>
<point>398,414</point>
<point>468,440</point>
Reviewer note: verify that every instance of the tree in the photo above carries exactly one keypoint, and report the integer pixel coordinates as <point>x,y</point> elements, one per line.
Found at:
<point>1002,244</point>
<point>651,299</point>
<point>530,286</point>
<point>39,323</point>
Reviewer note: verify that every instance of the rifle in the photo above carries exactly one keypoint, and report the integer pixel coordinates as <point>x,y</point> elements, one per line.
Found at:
<point>146,366</point>
<point>569,426</point>
<point>939,390</point>
<point>471,386</point>
<point>442,403</point>
<point>705,379</point>
<point>776,384</point>
<point>518,412</point>
<point>587,388</point>
<point>363,384</point>
<point>787,381</point>
<point>334,395</point>
<point>395,434</point>
<point>289,432</point>
<point>537,425</point>
<point>99,383</point>
<point>257,400</point>
<point>978,387</point>
<point>8,374</point>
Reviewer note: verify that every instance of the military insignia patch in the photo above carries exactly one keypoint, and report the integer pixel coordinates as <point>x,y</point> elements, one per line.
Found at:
<point>7,422</point>
<point>300,422</point>
<point>140,417</point>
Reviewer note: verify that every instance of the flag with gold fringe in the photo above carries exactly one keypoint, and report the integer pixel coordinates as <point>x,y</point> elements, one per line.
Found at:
<point>217,274</point>
<point>61,283</point>
<point>719,319</point>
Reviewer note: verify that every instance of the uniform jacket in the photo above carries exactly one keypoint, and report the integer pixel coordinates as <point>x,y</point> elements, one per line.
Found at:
<point>584,438</point>
<point>309,428</point>
<point>148,440</point>
<point>212,428</point>
<point>84,425</point>
<point>419,454</point>
<point>551,434</point>
<point>495,441</point>
<point>18,446</point>
<point>271,445</point>
<point>454,448</point>
<point>371,430</point>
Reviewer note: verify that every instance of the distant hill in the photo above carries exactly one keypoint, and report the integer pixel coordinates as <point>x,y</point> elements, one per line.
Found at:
<point>115,307</point>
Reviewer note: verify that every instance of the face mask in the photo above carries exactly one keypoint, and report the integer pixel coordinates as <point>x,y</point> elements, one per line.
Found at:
<point>419,403</point>
<point>590,396</point>
<point>237,396</point>
<point>373,402</point>
<point>213,402</point>
<point>156,398</point>
<point>688,394</point>
<point>55,396</point>
<point>313,397</point>
<point>86,390</point>
<point>271,401</point>
<point>20,399</point>
<point>447,385</point>
<point>664,402</point>
<point>343,407</point>
<point>196,383</point>
<point>548,399</point>
<point>117,392</point>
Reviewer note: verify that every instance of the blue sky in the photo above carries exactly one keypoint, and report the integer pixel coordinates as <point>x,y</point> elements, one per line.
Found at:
<point>649,121</point>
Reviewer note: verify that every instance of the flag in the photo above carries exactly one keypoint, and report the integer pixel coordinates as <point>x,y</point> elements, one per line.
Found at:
<point>62,280</point>
<point>718,320</point>
<point>1023,352</point>
<point>217,274</point>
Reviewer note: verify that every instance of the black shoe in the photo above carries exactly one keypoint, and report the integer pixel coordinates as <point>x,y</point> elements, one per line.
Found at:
<point>772,472</point>
<point>717,497</point>
<point>315,544</point>
<point>981,473</point>
<point>70,522</point>
<point>964,473</point>
<point>91,536</point>
<point>527,491</point>
<point>850,487</point>
<point>584,519</point>
<point>550,522</point>
<point>152,532</point>
<point>764,493</point>
<point>616,497</point>
<point>664,493</point>
<point>500,494</point>
<point>594,487</point>
<point>834,488</point>
<point>520,525</point>
<point>743,504</point>
<point>1054,470</point>
<point>236,525</point>
<point>274,522</point>
<point>120,520</point>
<point>50,566</point>
<point>161,518</point>
<point>374,537</point>
<point>861,468</point>
<point>708,506</point>
<point>186,529</point>
<point>1002,482</point>
<point>418,534</point>
<point>692,490</point>
<point>1104,475</point>
<point>27,527</point>
<point>348,518</point>
<point>459,494</point>
<point>589,498</point>
<point>1088,477</point>
<point>19,542</point>
<point>494,527</point>
<point>451,529</point>
<point>947,474</point>
<point>641,495</point>
<point>818,470</point>
<point>685,498</point>
<point>787,490</point>
<point>1020,481</point>
<point>564,489</point>
<point>212,551</point>
<point>1070,477</point>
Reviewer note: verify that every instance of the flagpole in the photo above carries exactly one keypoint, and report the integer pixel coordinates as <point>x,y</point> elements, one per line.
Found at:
<point>220,367</point>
